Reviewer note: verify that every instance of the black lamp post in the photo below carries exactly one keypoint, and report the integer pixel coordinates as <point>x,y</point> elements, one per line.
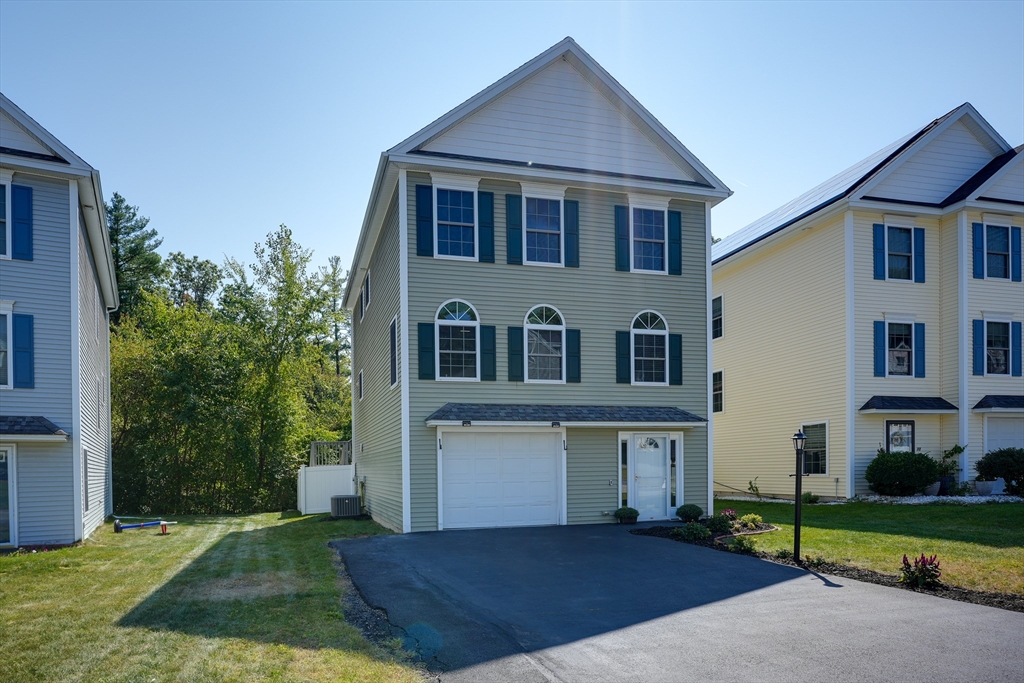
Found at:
<point>798,443</point>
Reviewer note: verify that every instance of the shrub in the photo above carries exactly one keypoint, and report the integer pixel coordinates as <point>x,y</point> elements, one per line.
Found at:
<point>810,498</point>
<point>692,532</point>
<point>719,524</point>
<point>902,473</point>
<point>752,487</point>
<point>689,512</point>
<point>751,521</point>
<point>784,554</point>
<point>962,488</point>
<point>925,571</point>
<point>742,544</point>
<point>949,463</point>
<point>1005,463</point>
<point>729,512</point>
<point>817,561</point>
<point>627,513</point>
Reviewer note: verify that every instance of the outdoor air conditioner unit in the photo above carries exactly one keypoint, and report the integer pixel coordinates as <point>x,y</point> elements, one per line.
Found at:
<point>344,506</point>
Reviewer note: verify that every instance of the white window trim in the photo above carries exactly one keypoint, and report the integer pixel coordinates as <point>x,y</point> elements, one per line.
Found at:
<point>360,387</point>
<point>632,349</point>
<point>906,224</point>
<point>445,181</point>
<point>997,222</point>
<point>996,317</point>
<point>556,193</point>
<point>722,307</point>
<point>713,373</point>
<point>828,435</point>
<point>366,291</point>
<point>455,323</point>
<point>651,204</point>
<point>7,309</point>
<point>398,370</point>
<point>901,320</point>
<point>12,499</point>
<point>526,344</point>
<point>6,178</point>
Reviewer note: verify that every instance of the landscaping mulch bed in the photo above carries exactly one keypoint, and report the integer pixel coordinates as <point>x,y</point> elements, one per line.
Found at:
<point>1008,601</point>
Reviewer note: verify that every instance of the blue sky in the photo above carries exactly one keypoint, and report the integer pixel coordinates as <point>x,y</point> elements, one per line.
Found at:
<point>222,120</point>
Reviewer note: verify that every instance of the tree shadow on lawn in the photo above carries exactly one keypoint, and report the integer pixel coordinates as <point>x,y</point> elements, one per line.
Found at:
<point>275,584</point>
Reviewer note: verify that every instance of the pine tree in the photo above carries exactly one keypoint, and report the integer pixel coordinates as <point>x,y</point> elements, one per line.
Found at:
<point>136,262</point>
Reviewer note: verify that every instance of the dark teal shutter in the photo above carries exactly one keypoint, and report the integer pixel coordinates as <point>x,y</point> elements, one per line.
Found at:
<point>622,374</point>
<point>515,354</point>
<point>572,235</point>
<point>878,249</point>
<point>979,347</point>
<point>879,348</point>
<point>425,221</point>
<point>488,353</point>
<point>485,202</point>
<point>675,359</point>
<point>573,369</point>
<point>622,238</point>
<point>1015,254</point>
<point>21,222</point>
<point>979,250</point>
<point>514,228</point>
<point>675,243</point>
<point>426,350</point>
<point>24,351</point>
<point>918,254</point>
<point>918,349</point>
<point>1015,350</point>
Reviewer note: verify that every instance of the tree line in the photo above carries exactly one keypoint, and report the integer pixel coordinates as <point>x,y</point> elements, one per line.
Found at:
<point>221,375</point>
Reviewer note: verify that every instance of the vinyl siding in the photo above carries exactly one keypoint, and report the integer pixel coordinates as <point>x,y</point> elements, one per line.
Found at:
<point>938,169</point>
<point>377,418</point>
<point>591,461</point>
<point>558,117</point>
<point>949,312</point>
<point>783,357</point>
<point>1010,186</point>
<point>593,298</point>
<point>45,507</point>
<point>14,136</point>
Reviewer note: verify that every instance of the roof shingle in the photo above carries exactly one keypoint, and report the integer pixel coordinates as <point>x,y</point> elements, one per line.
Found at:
<point>27,425</point>
<point>908,403</point>
<point>500,412</point>
<point>996,401</point>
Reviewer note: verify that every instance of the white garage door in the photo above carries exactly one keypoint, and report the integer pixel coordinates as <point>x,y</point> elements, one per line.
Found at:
<point>499,479</point>
<point>1004,432</point>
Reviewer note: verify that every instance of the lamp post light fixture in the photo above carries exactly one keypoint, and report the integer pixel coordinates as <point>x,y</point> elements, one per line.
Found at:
<point>799,439</point>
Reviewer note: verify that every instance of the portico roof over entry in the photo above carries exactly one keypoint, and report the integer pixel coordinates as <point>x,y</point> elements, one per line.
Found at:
<point>500,414</point>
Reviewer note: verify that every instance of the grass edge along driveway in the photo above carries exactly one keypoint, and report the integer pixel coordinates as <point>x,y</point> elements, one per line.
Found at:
<point>980,547</point>
<point>220,598</point>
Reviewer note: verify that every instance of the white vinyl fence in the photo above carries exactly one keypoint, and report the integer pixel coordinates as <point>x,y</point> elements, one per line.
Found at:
<point>318,484</point>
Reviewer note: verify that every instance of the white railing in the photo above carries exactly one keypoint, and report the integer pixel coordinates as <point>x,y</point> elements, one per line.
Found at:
<point>330,453</point>
<point>317,484</point>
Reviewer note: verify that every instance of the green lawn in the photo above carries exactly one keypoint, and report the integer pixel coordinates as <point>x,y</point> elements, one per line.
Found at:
<point>220,598</point>
<point>979,546</point>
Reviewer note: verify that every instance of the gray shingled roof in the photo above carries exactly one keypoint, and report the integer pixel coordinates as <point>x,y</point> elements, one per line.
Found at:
<point>25,425</point>
<point>923,403</point>
<point>996,401</point>
<point>499,412</point>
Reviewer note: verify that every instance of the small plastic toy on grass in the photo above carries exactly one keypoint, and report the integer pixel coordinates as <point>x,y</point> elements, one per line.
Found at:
<point>118,527</point>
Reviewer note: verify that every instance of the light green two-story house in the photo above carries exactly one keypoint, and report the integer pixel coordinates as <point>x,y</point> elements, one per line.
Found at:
<point>529,297</point>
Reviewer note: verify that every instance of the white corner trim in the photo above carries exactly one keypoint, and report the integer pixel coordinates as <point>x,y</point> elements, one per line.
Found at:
<point>710,360</point>
<point>453,181</point>
<point>76,350</point>
<point>403,330</point>
<point>851,356</point>
<point>963,432</point>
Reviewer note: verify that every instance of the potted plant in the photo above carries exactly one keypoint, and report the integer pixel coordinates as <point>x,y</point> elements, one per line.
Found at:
<point>949,467</point>
<point>984,485</point>
<point>627,515</point>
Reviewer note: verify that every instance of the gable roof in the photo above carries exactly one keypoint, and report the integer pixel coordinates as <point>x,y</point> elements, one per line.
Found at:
<point>858,179</point>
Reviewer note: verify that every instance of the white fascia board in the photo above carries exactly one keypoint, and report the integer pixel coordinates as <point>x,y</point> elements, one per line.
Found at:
<point>384,183</point>
<point>517,423</point>
<point>878,411</point>
<point>17,438</point>
<point>48,169</point>
<point>90,193</point>
<point>1005,411</point>
<point>43,136</point>
<point>890,207</point>
<point>996,177</point>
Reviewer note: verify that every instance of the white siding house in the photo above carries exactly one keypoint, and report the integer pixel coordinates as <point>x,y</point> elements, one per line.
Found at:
<point>57,287</point>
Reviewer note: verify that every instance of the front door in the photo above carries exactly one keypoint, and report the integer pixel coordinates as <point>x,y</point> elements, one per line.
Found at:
<point>650,481</point>
<point>6,495</point>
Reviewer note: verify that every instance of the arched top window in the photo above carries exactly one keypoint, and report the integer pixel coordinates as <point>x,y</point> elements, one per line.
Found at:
<point>649,320</point>
<point>545,345</point>
<point>456,311</point>
<point>544,315</point>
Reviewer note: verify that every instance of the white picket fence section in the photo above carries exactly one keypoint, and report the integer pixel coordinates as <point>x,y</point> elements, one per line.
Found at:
<point>318,484</point>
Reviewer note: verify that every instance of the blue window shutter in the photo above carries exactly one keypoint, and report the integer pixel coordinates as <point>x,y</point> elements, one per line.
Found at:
<point>426,350</point>
<point>1015,350</point>
<point>879,348</point>
<point>515,354</point>
<point>918,349</point>
<point>918,254</point>
<point>573,369</point>
<point>622,355</point>
<point>488,353</point>
<point>675,359</point>
<point>514,228</point>
<point>572,234</point>
<point>979,250</point>
<point>1015,254</point>
<point>622,238</point>
<point>979,347</point>
<point>24,351</point>
<point>878,241</point>
<point>675,243</point>
<point>21,222</point>
<point>425,221</point>
<point>485,202</point>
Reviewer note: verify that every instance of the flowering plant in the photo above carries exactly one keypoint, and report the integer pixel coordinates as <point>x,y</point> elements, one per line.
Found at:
<point>729,512</point>
<point>925,571</point>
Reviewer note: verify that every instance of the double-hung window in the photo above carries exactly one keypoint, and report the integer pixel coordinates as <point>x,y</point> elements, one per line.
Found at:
<point>816,448</point>
<point>899,252</point>
<point>716,317</point>
<point>997,348</point>
<point>360,385</point>
<point>997,251</point>
<point>5,218</point>
<point>458,342</point>
<point>648,241</point>
<point>717,392</point>
<point>543,236</point>
<point>649,346</point>
<point>901,349</point>
<point>393,336</point>
<point>545,345</point>
<point>455,217</point>
<point>6,341</point>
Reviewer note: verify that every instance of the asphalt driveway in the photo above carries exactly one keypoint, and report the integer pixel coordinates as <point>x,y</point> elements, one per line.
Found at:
<point>596,603</point>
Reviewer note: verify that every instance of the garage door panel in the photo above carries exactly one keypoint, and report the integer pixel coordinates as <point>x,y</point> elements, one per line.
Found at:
<point>1005,432</point>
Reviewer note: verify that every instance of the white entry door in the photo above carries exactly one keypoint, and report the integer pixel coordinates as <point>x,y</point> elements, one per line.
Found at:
<point>500,479</point>
<point>650,476</point>
<point>8,516</point>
